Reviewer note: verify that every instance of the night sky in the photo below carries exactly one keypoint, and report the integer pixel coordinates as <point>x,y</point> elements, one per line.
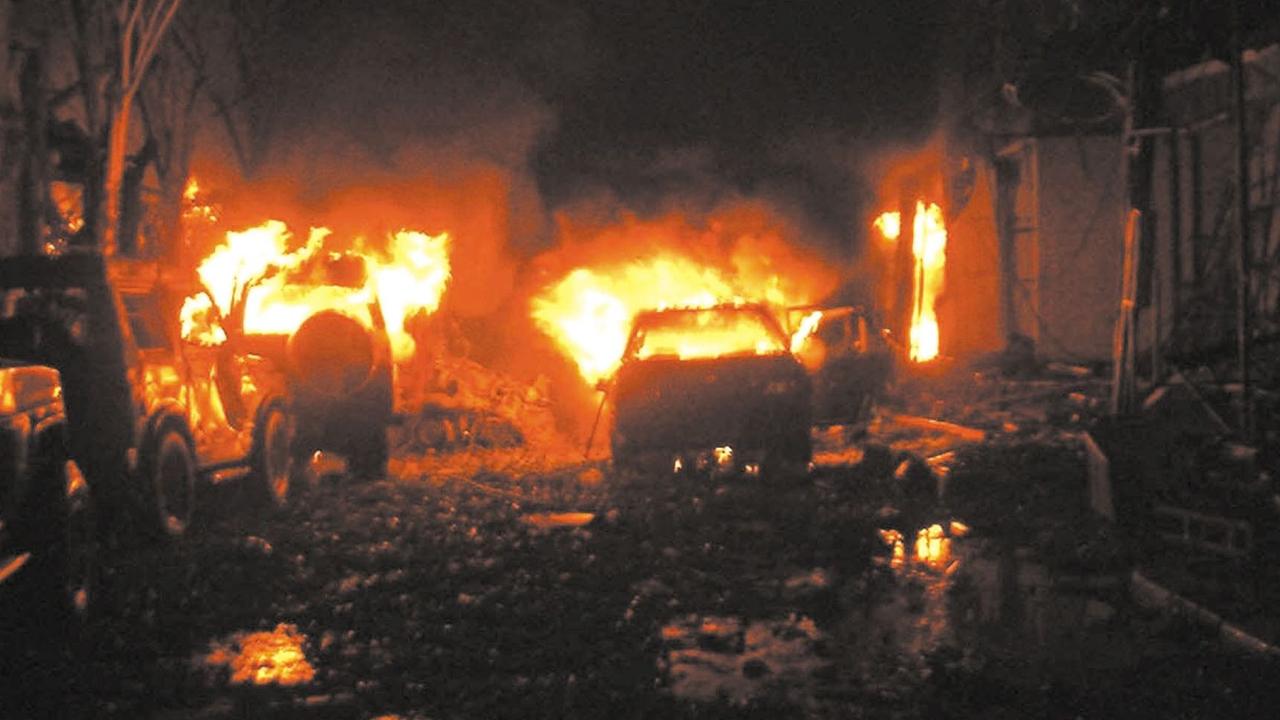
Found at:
<point>643,100</point>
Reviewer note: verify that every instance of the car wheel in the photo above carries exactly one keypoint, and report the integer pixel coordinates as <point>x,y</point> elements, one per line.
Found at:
<point>171,470</point>
<point>273,455</point>
<point>367,456</point>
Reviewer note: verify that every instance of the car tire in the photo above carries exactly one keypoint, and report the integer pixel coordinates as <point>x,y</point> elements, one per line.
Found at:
<point>170,474</point>
<point>273,456</point>
<point>367,456</point>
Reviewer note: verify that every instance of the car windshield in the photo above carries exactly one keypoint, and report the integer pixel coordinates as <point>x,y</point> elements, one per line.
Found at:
<point>705,333</point>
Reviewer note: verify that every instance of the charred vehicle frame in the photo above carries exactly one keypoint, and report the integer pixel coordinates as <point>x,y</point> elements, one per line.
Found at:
<point>148,413</point>
<point>753,400</point>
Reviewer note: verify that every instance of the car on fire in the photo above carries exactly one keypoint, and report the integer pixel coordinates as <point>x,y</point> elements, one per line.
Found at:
<point>849,363</point>
<point>337,365</point>
<point>717,380</point>
<point>47,538</point>
<point>148,414</point>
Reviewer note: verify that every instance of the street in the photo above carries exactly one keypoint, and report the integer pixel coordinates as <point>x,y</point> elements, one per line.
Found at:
<point>553,588</point>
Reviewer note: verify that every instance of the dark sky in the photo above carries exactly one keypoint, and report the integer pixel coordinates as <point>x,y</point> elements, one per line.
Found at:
<point>642,98</point>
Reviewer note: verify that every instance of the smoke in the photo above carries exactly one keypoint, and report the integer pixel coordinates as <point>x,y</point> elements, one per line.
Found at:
<point>509,126</point>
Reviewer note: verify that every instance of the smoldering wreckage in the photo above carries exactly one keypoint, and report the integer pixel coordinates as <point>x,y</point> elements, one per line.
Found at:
<point>195,421</point>
<point>275,483</point>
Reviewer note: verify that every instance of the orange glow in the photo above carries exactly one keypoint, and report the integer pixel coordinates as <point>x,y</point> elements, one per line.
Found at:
<point>266,658</point>
<point>807,325</point>
<point>933,547</point>
<point>889,224</point>
<point>928,247</point>
<point>279,287</point>
<point>588,312</point>
<point>195,205</point>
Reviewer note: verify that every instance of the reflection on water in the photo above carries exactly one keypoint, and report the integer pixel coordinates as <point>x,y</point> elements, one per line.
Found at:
<point>560,519</point>
<point>264,658</point>
<point>709,657</point>
<point>954,590</point>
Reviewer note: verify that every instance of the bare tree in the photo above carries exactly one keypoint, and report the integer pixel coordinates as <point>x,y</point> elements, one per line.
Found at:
<point>142,26</point>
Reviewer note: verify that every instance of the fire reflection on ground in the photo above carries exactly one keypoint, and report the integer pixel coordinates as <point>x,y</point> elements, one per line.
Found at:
<point>264,658</point>
<point>708,657</point>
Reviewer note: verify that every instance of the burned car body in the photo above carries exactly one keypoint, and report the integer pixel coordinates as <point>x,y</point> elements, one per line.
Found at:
<point>337,364</point>
<point>849,363</point>
<point>47,539</point>
<point>697,379</point>
<point>148,414</point>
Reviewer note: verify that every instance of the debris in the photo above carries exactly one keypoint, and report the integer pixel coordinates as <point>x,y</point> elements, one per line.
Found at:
<point>923,423</point>
<point>564,519</point>
<point>253,542</point>
<point>1060,368</point>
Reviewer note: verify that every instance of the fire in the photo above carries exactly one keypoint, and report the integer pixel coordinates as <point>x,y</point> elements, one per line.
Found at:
<point>928,247</point>
<point>588,312</point>
<point>933,547</point>
<point>265,658</point>
<point>807,325</point>
<point>277,288</point>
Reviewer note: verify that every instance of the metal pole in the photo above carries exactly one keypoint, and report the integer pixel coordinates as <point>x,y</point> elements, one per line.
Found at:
<point>1242,225</point>
<point>1175,234</point>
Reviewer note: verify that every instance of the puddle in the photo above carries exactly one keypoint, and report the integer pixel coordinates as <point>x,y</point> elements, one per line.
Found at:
<point>263,658</point>
<point>711,657</point>
<point>947,589</point>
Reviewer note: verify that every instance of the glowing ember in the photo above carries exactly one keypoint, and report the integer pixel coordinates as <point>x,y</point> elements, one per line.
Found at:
<point>933,547</point>
<point>277,288</point>
<point>588,312</point>
<point>265,658</point>
<point>929,245</point>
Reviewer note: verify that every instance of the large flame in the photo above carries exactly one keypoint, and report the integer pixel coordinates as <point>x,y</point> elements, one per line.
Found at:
<point>278,287</point>
<point>928,249</point>
<point>588,312</point>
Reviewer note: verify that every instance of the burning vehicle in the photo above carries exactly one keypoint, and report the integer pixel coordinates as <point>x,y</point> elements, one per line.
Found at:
<point>148,413</point>
<point>331,321</point>
<point>848,362</point>
<point>719,379</point>
<point>339,372</point>
<point>46,521</point>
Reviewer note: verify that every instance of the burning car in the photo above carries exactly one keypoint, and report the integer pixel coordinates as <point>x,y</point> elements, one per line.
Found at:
<point>47,540</point>
<point>336,362</point>
<point>848,362</point>
<point>719,379</point>
<point>148,413</point>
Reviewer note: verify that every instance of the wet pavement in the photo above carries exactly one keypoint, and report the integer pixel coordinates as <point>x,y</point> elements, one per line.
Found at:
<point>522,586</point>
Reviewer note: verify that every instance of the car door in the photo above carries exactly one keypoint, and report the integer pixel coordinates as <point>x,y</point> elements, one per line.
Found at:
<point>848,364</point>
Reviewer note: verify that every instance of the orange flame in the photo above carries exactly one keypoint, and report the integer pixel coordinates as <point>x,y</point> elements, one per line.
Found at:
<point>266,658</point>
<point>928,247</point>
<point>588,312</point>
<point>279,288</point>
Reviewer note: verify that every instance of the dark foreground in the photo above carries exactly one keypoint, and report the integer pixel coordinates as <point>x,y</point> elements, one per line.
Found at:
<point>694,596</point>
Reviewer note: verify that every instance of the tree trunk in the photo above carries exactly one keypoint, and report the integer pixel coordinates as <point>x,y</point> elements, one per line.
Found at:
<point>117,140</point>
<point>32,177</point>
